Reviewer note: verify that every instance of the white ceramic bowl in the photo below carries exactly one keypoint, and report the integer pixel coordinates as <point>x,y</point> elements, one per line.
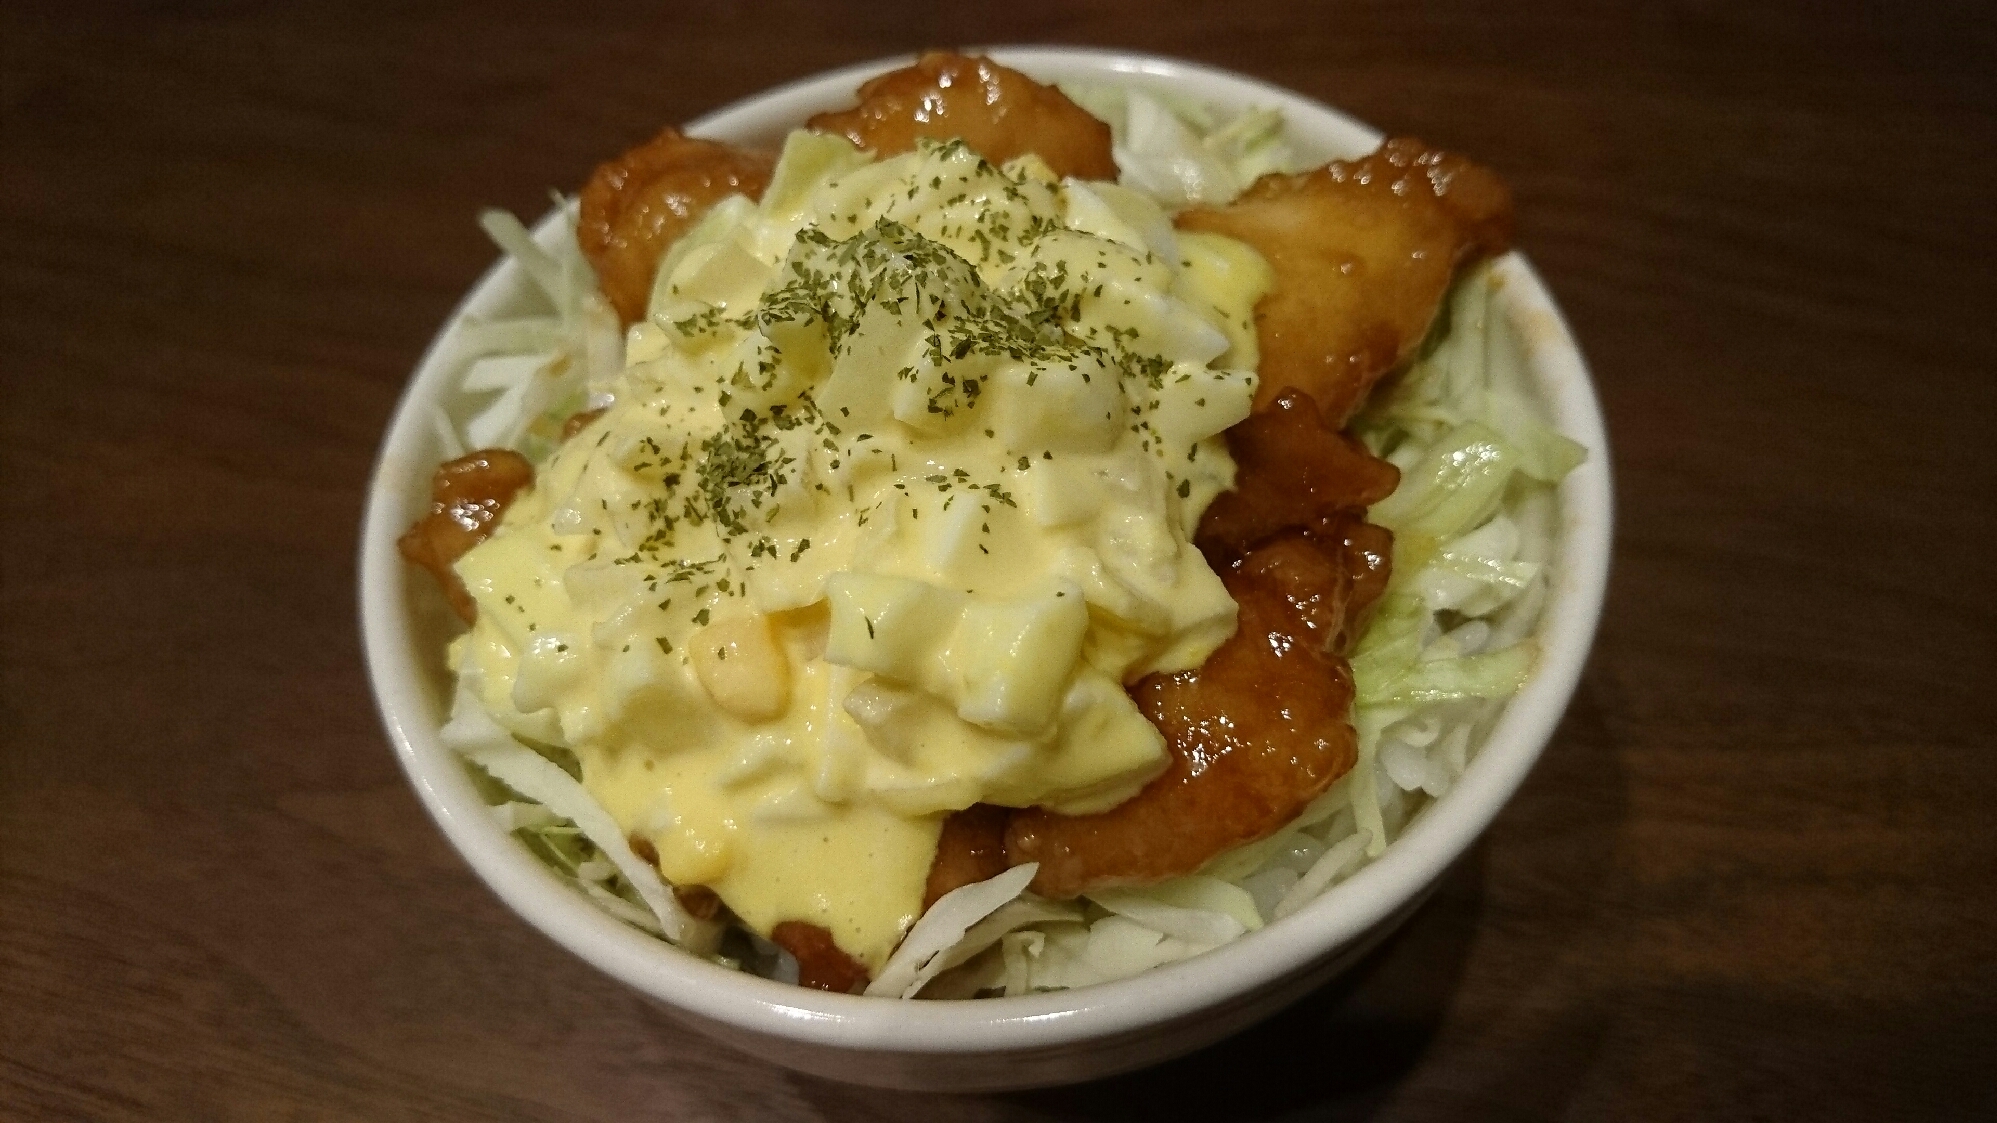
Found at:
<point>1021,1042</point>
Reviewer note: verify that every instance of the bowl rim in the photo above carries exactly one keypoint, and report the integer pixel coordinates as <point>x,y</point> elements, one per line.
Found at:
<point>1427,846</point>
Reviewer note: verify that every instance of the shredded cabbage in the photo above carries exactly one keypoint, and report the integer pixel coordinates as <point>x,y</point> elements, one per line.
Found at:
<point>1181,152</point>
<point>1474,521</point>
<point>605,869</point>
<point>922,954</point>
<point>533,370</point>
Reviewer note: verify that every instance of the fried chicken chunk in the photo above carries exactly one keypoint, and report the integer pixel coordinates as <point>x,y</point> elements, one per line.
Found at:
<point>1363,251</point>
<point>998,111</point>
<point>467,496</point>
<point>636,206</point>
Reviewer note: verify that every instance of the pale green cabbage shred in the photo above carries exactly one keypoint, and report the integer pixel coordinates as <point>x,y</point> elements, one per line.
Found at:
<point>1474,520</point>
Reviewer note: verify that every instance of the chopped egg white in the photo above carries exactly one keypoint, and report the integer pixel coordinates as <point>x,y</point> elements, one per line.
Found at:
<point>893,497</point>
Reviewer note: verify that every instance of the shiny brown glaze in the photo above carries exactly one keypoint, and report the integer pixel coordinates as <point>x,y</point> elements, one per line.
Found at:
<point>636,206</point>
<point>998,111</point>
<point>1255,733</point>
<point>1292,469</point>
<point>1363,252</point>
<point>1367,552</point>
<point>467,496</point>
<point>820,963</point>
<point>970,849</point>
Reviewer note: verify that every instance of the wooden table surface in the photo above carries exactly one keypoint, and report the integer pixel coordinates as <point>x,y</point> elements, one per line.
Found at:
<point>1754,877</point>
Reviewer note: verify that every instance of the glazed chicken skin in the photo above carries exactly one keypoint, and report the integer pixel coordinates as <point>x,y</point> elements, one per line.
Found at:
<point>467,497</point>
<point>1363,251</point>
<point>1291,470</point>
<point>636,206</point>
<point>997,111</point>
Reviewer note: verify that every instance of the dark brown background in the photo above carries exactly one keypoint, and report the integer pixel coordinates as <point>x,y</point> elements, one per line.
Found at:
<point>1754,876</point>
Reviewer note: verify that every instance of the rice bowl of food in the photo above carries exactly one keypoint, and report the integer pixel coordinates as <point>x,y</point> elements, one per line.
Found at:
<point>983,572</point>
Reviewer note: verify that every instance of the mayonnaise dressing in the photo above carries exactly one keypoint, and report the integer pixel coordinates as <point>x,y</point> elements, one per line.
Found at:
<point>893,497</point>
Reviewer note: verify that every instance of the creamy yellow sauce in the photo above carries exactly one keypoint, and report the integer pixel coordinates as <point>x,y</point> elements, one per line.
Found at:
<point>894,495</point>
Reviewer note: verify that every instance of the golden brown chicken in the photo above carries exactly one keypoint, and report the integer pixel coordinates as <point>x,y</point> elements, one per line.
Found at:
<point>1363,251</point>
<point>467,496</point>
<point>998,111</point>
<point>636,206</point>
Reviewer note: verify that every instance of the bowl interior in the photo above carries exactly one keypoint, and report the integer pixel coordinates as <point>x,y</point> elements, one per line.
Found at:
<point>405,635</point>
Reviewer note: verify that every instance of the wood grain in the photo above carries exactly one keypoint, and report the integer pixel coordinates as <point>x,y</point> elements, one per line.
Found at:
<point>1755,876</point>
